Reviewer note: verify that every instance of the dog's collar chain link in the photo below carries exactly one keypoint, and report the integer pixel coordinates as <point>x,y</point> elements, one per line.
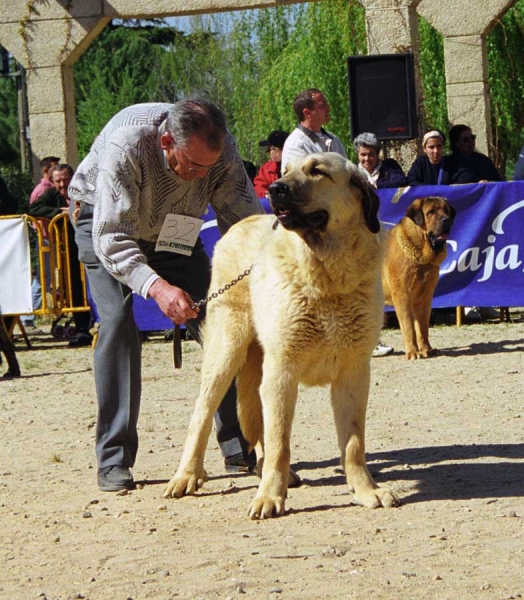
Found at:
<point>222,289</point>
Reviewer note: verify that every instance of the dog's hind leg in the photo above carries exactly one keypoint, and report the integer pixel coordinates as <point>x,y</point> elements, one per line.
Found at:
<point>349,395</point>
<point>225,350</point>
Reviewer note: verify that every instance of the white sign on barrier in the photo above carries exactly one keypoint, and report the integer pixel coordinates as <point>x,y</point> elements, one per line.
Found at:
<point>15,268</point>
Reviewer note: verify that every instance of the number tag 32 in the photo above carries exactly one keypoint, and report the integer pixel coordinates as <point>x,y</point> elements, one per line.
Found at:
<point>179,234</point>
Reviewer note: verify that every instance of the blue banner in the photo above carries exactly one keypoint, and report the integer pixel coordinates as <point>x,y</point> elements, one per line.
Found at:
<point>484,265</point>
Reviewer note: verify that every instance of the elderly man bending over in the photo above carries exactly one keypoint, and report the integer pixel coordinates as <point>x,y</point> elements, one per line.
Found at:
<point>139,195</point>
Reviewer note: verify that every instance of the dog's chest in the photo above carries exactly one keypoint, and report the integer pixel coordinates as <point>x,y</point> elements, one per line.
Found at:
<point>332,324</point>
<point>335,323</point>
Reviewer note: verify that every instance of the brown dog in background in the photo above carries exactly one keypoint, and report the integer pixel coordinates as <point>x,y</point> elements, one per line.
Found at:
<point>415,248</point>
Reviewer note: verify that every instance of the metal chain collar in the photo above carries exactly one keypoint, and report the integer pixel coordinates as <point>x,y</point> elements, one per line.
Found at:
<point>222,289</point>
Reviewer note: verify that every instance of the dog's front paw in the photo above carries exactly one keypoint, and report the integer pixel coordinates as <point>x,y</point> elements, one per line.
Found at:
<point>184,484</point>
<point>412,355</point>
<point>266,507</point>
<point>377,498</point>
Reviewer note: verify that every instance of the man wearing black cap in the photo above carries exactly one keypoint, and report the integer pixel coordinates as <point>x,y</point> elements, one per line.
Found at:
<point>271,170</point>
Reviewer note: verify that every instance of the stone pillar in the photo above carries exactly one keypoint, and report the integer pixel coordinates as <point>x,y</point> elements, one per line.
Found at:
<point>46,39</point>
<point>467,86</point>
<point>392,27</point>
<point>465,26</point>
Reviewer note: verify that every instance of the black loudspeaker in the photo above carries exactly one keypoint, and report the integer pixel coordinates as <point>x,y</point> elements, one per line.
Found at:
<point>382,96</point>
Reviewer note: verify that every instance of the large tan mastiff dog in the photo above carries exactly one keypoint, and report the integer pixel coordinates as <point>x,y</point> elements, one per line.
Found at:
<point>310,312</point>
<point>415,248</point>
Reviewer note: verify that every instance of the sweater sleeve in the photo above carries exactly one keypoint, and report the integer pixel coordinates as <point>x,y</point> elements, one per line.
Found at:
<point>463,175</point>
<point>116,218</point>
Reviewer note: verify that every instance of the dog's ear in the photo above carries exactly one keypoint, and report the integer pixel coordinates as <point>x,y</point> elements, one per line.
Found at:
<point>370,202</point>
<point>415,213</point>
<point>452,213</point>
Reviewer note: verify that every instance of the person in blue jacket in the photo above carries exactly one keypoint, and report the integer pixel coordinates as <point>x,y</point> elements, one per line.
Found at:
<point>380,173</point>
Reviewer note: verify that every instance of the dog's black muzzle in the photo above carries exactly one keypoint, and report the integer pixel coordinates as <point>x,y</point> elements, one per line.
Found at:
<point>438,240</point>
<point>288,212</point>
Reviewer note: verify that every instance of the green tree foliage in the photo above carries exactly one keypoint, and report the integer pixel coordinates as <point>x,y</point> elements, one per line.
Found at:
<point>120,68</point>
<point>506,81</point>
<point>9,144</point>
<point>433,106</point>
<point>145,63</point>
<point>197,63</point>
<point>312,54</point>
<point>19,185</point>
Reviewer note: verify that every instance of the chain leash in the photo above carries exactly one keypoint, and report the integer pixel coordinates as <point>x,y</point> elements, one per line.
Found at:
<point>222,289</point>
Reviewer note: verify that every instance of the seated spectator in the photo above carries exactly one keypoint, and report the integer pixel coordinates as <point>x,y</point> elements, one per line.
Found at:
<point>519,167</point>
<point>462,144</point>
<point>270,171</point>
<point>433,168</point>
<point>380,173</point>
<point>49,204</point>
<point>47,164</point>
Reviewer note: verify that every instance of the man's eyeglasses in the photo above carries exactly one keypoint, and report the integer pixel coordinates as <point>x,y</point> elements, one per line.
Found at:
<point>469,138</point>
<point>190,165</point>
<point>271,148</point>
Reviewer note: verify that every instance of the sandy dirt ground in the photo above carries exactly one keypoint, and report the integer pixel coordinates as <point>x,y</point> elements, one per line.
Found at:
<point>446,435</point>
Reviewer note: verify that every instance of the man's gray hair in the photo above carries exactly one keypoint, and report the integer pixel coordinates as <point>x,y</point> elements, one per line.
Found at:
<point>366,139</point>
<point>196,116</point>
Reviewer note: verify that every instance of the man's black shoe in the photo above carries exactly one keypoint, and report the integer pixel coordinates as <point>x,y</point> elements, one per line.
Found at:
<point>241,463</point>
<point>115,478</point>
<point>81,339</point>
<point>11,374</point>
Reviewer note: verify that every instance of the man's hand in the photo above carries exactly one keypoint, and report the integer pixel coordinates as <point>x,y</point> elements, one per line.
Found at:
<point>173,301</point>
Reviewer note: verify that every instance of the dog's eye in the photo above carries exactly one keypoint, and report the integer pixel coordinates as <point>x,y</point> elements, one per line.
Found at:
<point>316,172</point>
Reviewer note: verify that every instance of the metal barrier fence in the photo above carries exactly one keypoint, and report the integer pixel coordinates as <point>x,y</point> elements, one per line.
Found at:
<point>55,247</point>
